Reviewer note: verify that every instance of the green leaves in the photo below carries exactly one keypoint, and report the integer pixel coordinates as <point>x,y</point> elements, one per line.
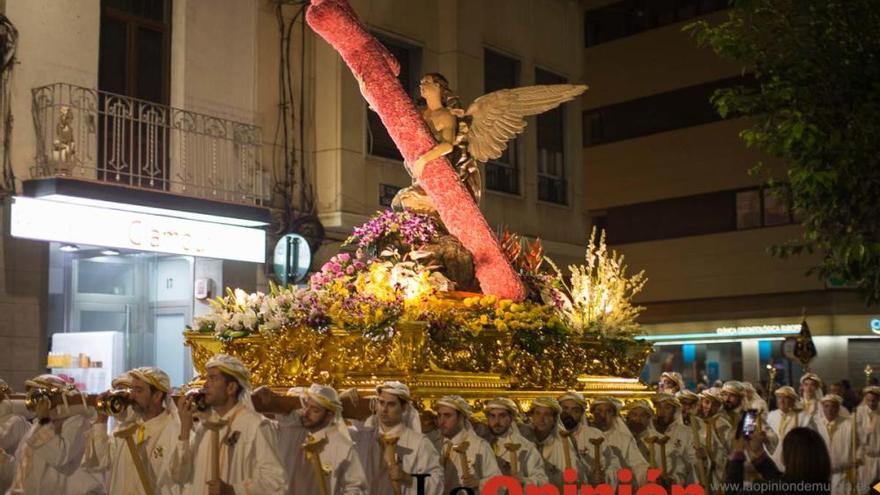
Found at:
<point>816,106</point>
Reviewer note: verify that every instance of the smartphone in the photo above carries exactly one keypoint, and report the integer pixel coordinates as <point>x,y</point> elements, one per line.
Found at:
<point>749,423</point>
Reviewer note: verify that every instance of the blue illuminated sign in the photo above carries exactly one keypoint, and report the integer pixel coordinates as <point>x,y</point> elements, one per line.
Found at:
<point>875,325</point>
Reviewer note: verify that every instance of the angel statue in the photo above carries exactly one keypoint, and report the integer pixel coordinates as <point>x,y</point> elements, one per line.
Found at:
<point>475,135</point>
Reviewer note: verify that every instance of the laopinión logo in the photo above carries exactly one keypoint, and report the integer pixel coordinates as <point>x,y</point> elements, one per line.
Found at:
<point>512,486</point>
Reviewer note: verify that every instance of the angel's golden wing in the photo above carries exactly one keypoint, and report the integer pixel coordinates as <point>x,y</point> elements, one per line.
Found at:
<point>499,116</point>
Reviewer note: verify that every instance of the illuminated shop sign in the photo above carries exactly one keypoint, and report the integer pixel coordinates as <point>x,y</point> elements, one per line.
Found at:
<point>758,330</point>
<point>730,332</point>
<point>80,224</point>
<point>875,325</point>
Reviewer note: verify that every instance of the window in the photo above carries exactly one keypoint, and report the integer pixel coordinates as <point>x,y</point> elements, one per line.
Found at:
<point>551,146</point>
<point>387,193</point>
<point>701,214</point>
<point>502,72</point>
<point>765,207</point>
<point>748,209</point>
<point>776,210</point>
<point>379,142</point>
<point>629,17</point>
<point>134,61</point>
<point>662,112</point>
<point>135,49</point>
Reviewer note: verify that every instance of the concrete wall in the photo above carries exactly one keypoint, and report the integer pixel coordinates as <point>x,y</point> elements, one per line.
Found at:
<point>55,44</point>
<point>213,57</point>
<point>718,265</point>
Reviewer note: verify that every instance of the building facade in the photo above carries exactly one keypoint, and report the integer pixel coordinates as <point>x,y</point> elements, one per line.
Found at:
<point>135,157</point>
<point>668,180</point>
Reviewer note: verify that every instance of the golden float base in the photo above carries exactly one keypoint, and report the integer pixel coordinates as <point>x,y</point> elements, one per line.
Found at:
<point>478,367</point>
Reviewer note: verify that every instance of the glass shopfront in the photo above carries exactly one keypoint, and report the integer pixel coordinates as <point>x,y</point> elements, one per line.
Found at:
<point>112,310</point>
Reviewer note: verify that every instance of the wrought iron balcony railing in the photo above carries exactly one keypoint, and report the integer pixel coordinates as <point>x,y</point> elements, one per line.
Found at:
<point>90,134</point>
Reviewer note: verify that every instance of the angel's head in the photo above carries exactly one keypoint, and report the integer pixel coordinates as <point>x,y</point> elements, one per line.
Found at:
<point>434,83</point>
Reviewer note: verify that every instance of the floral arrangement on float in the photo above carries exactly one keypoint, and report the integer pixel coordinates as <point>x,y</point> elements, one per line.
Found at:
<point>391,281</point>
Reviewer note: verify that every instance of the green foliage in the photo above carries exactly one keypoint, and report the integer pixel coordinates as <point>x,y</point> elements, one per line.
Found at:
<point>815,105</point>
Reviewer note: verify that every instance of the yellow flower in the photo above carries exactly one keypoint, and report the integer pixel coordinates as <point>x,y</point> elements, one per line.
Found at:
<point>484,319</point>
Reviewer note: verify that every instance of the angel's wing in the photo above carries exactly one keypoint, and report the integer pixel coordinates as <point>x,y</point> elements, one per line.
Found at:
<point>499,116</point>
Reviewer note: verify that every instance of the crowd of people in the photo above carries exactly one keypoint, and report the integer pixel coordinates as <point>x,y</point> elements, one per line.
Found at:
<point>723,438</point>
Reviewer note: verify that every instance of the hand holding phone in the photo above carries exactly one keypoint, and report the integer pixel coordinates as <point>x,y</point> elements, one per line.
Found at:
<point>748,424</point>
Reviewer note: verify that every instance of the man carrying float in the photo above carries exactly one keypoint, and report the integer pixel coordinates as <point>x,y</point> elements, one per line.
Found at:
<point>233,450</point>
<point>317,448</point>
<point>467,460</point>
<point>392,448</point>
<point>517,456</point>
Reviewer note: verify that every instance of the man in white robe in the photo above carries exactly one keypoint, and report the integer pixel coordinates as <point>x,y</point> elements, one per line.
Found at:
<point>428,420</point>
<point>48,457</point>
<point>317,434</point>
<point>13,427</point>
<point>396,426</point>
<point>467,460</point>
<point>753,400</point>
<point>606,414</point>
<point>733,395</point>
<point>555,444</point>
<point>502,417</point>
<point>574,418</point>
<point>638,415</point>
<point>811,395</point>
<point>154,429</point>
<point>713,429</point>
<point>837,431</point>
<point>248,455</point>
<point>786,418</point>
<point>868,418</point>
<point>678,438</point>
<point>671,382</point>
<point>690,405</point>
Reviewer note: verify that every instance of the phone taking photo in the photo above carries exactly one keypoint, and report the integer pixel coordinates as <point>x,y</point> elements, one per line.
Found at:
<point>748,424</point>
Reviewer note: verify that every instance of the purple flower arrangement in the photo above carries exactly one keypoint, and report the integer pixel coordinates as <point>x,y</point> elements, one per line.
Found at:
<point>389,227</point>
<point>341,266</point>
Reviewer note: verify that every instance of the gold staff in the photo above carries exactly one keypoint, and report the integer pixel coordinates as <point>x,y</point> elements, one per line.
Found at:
<point>597,453</point>
<point>649,442</point>
<point>389,448</point>
<point>513,448</point>
<point>771,382</point>
<point>661,441</point>
<point>128,435</point>
<point>461,449</point>
<point>313,448</point>
<point>214,427</point>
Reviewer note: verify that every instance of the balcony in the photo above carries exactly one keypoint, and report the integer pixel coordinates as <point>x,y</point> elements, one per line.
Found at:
<point>93,135</point>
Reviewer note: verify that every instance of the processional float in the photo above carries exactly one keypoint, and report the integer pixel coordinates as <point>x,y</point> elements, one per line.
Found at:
<point>430,296</point>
